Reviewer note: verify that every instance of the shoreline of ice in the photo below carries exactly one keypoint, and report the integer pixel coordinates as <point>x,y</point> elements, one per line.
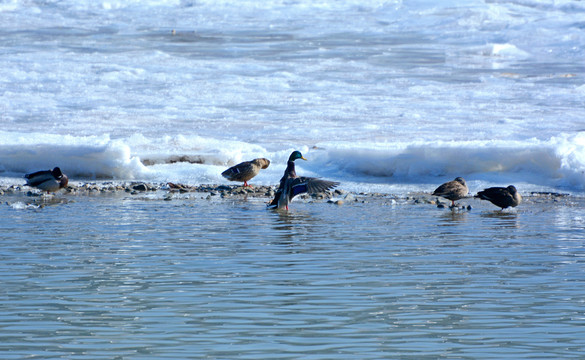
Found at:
<point>24,197</point>
<point>555,165</point>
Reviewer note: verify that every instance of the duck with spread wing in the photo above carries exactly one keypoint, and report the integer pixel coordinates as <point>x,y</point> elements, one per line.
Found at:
<point>292,185</point>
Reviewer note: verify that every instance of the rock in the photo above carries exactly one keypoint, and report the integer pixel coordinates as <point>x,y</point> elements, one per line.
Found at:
<point>140,187</point>
<point>349,197</point>
<point>548,194</point>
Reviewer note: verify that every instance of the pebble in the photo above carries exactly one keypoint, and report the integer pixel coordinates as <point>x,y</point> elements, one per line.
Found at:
<point>350,197</point>
<point>235,191</point>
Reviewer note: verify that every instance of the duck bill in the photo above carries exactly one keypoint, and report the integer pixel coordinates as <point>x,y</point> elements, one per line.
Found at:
<point>302,157</point>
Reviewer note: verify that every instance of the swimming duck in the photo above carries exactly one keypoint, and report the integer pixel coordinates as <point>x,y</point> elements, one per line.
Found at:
<point>246,170</point>
<point>501,196</point>
<point>292,185</point>
<point>47,180</point>
<point>453,190</point>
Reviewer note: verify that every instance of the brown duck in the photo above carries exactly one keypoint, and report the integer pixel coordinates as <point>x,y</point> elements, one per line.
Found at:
<point>452,190</point>
<point>246,170</point>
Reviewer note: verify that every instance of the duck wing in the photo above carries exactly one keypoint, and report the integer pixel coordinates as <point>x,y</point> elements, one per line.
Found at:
<point>39,177</point>
<point>446,188</point>
<point>309,185</point>
<point>240,172</point>
<point>451,190</point>
<point>498,196</point>
<point>492,193</point>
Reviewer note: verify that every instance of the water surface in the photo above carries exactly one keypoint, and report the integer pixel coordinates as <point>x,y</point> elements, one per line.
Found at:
<point>133,278</point>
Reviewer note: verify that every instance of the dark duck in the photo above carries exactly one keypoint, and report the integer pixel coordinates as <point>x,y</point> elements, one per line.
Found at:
<point>47,180</point>
<point>502,197</point>
<point>292,185</point>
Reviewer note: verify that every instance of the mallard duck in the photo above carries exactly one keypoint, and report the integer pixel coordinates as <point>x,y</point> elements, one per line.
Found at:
<point>288,172</point>
<point>302,185</point>
<point>501,196</point>
<point>453,190</point>
<point>246,170</point>
<point>290,167</point>
<point>47,180</point>
<point>291,185</point>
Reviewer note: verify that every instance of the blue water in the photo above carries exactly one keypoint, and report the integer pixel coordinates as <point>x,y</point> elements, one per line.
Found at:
<point>131,278</point>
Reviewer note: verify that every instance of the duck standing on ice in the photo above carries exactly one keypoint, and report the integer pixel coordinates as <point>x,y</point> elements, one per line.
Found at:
<point>501,196</point>
<point>47,180</point>
<point>452,190</point>
<point>246,170</point>
<point>292,185</point>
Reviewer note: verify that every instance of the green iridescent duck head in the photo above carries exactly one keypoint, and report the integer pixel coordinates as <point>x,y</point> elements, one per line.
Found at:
<point>296,155</point>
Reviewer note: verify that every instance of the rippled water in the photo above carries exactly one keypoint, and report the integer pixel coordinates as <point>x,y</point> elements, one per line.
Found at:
<point>129,278</point>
